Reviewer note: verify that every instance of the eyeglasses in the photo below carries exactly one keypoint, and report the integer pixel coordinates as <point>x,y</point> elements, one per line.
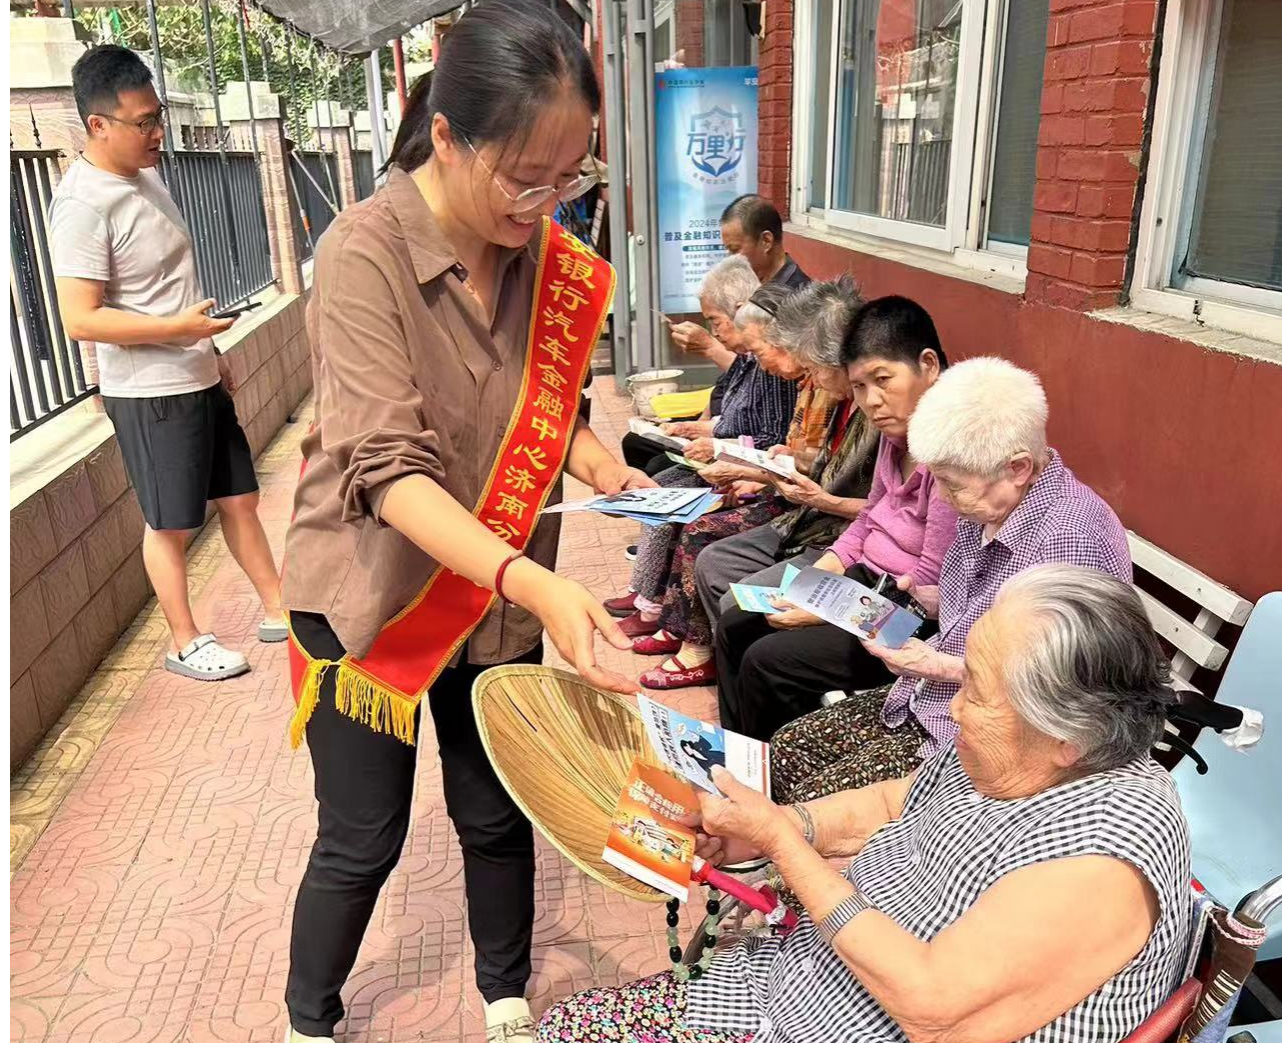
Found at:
<point>146,125</point>
<point>533,198</point>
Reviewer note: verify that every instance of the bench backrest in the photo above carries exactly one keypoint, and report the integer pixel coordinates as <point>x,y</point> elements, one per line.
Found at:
<point>1194,640</point>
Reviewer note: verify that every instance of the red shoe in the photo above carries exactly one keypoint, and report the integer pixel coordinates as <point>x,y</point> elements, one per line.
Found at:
<point>635,627</point>
<point>661,643</point>
<point>661,678</point>
<point>624,605</point>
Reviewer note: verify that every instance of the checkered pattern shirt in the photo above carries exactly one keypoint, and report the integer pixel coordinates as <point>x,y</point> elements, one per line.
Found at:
<point>758,404</point>
<point>1059,520</point>
<point>926,869</point>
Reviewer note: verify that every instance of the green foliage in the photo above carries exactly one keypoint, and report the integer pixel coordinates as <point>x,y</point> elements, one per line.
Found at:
<point>309,72</point>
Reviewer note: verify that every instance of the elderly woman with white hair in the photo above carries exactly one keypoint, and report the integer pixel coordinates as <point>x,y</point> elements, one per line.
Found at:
<point>761,402</point>
<point>1029,881</point>
<point>724,290</point>
<point>982,432</point>
<point>833,443</point>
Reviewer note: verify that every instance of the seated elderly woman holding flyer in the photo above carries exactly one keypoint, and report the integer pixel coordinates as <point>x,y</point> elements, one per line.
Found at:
<point>773,667</point>
<point>1030,880</point>
<point>982,432</point>
<point>769,370</point>
<point>810,325</point>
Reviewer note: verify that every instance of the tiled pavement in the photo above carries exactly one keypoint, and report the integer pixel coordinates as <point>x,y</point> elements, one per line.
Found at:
<point>157,839</point>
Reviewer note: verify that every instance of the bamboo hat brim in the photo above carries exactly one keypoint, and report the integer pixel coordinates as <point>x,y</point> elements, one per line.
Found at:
<point>563,750</point>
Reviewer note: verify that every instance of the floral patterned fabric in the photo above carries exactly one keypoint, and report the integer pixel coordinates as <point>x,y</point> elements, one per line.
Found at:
<point>650,1009</point>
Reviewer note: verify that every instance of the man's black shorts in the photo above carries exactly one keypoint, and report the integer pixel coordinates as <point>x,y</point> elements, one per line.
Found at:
<point>182,451</point>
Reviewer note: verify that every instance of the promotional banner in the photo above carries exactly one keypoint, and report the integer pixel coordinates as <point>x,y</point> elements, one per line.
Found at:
<point>706,155</point>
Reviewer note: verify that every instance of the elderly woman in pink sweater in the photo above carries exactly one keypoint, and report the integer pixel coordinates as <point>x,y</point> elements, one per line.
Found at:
<point>772,669</point>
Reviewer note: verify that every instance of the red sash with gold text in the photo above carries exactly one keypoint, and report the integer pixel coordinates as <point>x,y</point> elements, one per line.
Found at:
<point>572,295</point>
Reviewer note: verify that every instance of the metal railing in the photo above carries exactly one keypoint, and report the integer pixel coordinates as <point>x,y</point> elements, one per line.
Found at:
<point>363,172</point>
<point>919,182</point>
<point>46,376</point>
<point>315,185</point>
<point>228,228</point>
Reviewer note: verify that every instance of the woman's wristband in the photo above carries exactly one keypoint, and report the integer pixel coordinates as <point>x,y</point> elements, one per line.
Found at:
<point>503,568</point>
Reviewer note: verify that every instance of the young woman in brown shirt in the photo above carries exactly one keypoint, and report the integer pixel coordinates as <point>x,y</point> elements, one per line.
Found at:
<point>445,411</point>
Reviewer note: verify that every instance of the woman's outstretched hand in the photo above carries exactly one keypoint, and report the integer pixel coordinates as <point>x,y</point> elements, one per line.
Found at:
<point>572,617</point>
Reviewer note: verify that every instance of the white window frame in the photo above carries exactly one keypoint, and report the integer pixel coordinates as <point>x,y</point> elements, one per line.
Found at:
<point>1180,118</point>
<point>963,238</point>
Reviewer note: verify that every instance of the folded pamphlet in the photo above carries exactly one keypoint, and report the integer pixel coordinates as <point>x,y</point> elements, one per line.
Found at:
<point>647,840</point>
<point>691,748</point>
<point>651,431</point>
<point>755,598</point>
<point>848,604</point>
<point>782,465</point>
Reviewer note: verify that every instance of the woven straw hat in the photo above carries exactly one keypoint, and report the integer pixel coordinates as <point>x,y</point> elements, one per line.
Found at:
<point>563,750</point>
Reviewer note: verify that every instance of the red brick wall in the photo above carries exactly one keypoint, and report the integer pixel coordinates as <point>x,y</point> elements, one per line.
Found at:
<point>1095,92</point>
<point>689,31</point>
<point>775,104</point>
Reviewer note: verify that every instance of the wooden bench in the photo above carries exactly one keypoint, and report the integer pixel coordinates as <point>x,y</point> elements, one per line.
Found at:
<point>1194,641</point>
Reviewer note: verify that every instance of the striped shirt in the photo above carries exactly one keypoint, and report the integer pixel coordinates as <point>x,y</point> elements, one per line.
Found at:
<point>756,403</point>
<point>927,868</point>
<point>1059,520</point>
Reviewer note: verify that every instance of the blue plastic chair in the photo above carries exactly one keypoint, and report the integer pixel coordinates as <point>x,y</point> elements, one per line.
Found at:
<point>1234,811</point>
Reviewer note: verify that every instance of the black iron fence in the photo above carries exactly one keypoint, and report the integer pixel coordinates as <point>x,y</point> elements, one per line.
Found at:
<point>363,172</point>
<point>46,376</point>
<point>224,212</point>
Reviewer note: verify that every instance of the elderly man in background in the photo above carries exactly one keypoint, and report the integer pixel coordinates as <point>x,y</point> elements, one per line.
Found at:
<point>1030,880</point>
<point>982,432</point>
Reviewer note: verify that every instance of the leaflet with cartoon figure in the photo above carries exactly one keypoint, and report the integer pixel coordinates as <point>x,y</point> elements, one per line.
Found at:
<point>735,453</point>
<point>691,748</point>
<point>848,604</point>
<point>647,840</point>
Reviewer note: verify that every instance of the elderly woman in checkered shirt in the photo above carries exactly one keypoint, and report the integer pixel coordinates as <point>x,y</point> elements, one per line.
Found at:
<point>981,430</point>
<point>1028,881</point>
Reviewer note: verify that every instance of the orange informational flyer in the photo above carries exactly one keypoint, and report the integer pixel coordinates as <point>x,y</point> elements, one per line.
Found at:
<point>646,839</point>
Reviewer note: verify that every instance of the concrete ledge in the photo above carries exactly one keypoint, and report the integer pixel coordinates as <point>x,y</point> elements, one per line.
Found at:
<point>75,545</point>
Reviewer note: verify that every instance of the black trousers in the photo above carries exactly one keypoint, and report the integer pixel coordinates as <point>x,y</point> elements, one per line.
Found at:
<point>364,785</point>
<point>767,678</point>
<point>640,452</point>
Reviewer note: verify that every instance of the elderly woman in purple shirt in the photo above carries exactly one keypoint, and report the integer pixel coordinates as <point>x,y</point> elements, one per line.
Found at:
<point>982,433</point>
<point>773,668</point>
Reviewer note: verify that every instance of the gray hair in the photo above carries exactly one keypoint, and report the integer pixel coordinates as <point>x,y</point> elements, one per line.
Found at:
<point>813,322</point>
<point>728,284</point>
<point>978,416</point>
<point>1091,672</point>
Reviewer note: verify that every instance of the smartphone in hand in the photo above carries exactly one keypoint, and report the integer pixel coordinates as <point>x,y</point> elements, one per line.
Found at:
<point>232,313</point>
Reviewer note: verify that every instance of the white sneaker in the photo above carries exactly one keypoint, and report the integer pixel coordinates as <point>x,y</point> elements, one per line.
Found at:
<point>508,1021</point>
<point>295,1037</point>
<point>205,660</point>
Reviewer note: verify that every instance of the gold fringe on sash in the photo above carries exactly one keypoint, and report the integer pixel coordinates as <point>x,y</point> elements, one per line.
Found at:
<point>358,696</point>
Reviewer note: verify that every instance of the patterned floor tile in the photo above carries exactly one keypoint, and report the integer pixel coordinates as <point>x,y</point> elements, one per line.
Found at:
<point>158,836</point>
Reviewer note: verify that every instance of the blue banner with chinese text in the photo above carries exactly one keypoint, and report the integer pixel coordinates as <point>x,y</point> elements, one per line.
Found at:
<point>706,155</point>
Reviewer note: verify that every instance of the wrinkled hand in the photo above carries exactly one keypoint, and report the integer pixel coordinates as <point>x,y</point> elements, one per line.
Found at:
<point>798,489</point>
<point>722,473</point>
<point>693,338</point>
<point>790,617</point>
<point>684,429</point>
<point>927,596</point>
<point>572,618</point>
<point>616,477</point>
<point>743,815</point>
<point>914,659</point>
<point>740,491</point>
<point>701,450</point>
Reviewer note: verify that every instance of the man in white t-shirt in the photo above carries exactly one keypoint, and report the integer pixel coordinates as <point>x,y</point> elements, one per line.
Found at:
<point>126,277</point>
